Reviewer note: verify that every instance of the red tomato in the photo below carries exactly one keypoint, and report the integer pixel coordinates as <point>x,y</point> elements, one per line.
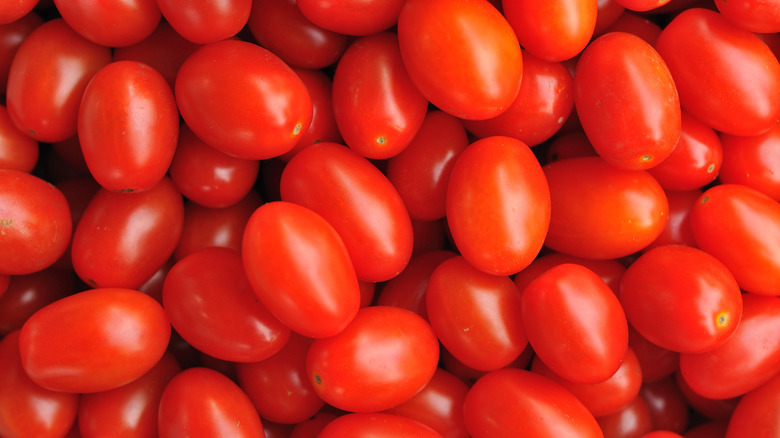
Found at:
<point>52,61</point>
<point>376,425</point>
<point>383,358</point>
<point>642,5</point>
<point>753,161</point>
<point>498,205</point>
<point>377,107</point>
<point>710,429</point>
<point>513,402</point>
<point>202,403</point>
<point>124,238</point>
<point>552,30</point>
<point>662,434</point>
<point>656,362</point>
<point>740,98</point>
<point>205,21</point>
<point>570,145</point>
<point>575,324</point>
<point>300,270</point>
<point>608,13</point>
<point>759,16</point>
<point>310,428</point>
<point>111,23</point>
<point>740,226</point>
<point>26,294</point>
<point>618,68</point>
<point>757,412</point>
<point>710,408</point>
<point>640,25</point>
<point>609,270</point>
<point>667,405</point>
<point>104,413</point>
<point>211,305</point>
<point>12,10</point>
<point>462,55</point>
<point>28,409</point>
<point>242,100</point>
<point>11,36</point>
<point>358,201</point>
<point>352,17</point>
<point>633,421</point>
<point>17,151</point>
<point>94,341</point>
<point>678,227</point>
<point>128,126</point>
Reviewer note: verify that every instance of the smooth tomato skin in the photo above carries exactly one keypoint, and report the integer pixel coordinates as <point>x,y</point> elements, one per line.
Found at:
<point>128,126</point>
<point>752,161</point>
<point>111,24</point>
<point>618,68</point>
<point>642,5</point>
<point>242,100</point>
<point>300,270</point>
<point>17,151</point>
<point>383,358</point>
<point>376,425</point>
<point>122,239</point>
<point>358,201</point>
<point>602,212</point>
<point>35,223</point>
<point>203,21</point>
<point>26,294</point>
<point>478,80</point>
<point>200,402</point>
<point>377,107</point>
<point>476,316</point>
<point>715,409</point>
<point>609,11</point>
<point>513,402</point>
<point>210,303</point>
<point>757,412</point>
<point>498,205</point>
<point>752,15</point>
<point>709,429</point>
<point>656,362</point>
<point>740,226</point>
<point>11,36</point>
<point>699,42</point>
<point>52,61</point>
<point>637,24</point>
<point>15,10</point>
<point>633,421</point>
<point>94,341</point>
<point>609,270</point>
<point>677,230</point>
<point>352,17</point>
<point>553,30</point>
<point>27,408</point>
<point>102,414</point>
<point>748,359</point>
<point>575,324</point>
<point>667,405</point>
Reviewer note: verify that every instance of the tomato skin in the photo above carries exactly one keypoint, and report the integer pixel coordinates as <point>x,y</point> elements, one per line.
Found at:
<point>699,42</point>
<point>498,205</point>
<point>383,358</point>
<point>618,68</point>
<point>27,408</point>
<point>677,230</point>
<point>11,36</point>
<point>715,409</point>
<point>300,270</point>
<point>514,402</point>
<point>600,211</point>
<point>752,15</point>
<point>642,5</point>
<point>633,421</point>
<point>128,126</point>
<point>111,24</point>
<point>17,151</point>
<point>575,324</point>
<point>16,10</point>
<point>637,24</point>
<point>199,403</point>
<point>482,77</point>
<point>740,226</point>
<point>376,425</point>
<point>358,201</point>
<point>111,249</point>
<point>52,61</point>
<point>667,405</point>
<point>94,341</point>
<point>352,17</point>
<point>242,99</point>
<point>204,22</point>
<point>757,412</point>
<point>752,161</point>
<point>656,362</point>
<point>609,270</point>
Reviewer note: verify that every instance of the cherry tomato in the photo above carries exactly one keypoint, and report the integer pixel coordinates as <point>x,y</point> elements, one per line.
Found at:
<point>716,409</point>
<point>656,362</point>
<point>752,161</point>
<point>205,21</point>
<point>11,36</point>
<point>609,11</point>
<point>376,425</point>
<point>640,25</point>
<point>678,227</point>
<point>757,412</point>
<point>642,5</point>
<point>15,10</point>
<point>26,294</point>
<point>633,421</point>
<point>751,15</point>
<point>111,23</point>
<point>352,17</point>
<point>710,429</point>
<point>17,151</point>
<point>667,405</point>
<point>609,270</point>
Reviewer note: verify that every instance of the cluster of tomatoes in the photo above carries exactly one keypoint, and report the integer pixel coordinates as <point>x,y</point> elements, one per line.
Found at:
<point>390,218</point>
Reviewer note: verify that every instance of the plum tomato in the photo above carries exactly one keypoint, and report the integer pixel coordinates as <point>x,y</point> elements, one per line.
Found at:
<point>352,17</point>
<point>204,21</point>
<point>376,425</point>
<point>111,23</point>
<point>753,161</point>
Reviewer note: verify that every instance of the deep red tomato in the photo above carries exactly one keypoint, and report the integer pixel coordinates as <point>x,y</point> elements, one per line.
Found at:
<point>638,24</point>
<point>383,358</point>
<point>512,402</point>
<point>124,238</point>
<point>11,36</point>
<point>609,12</point>
<point>740,98</point>
<point>753,161</point>
<point>642,5</point>
<point>757,412</point>
<point>715,409</point>
<point>677,230</point>
<point>13,10</point>
<point>668,407</point>
<point>26,294</point>
<point>352,17</point>
<point>300,270</point>
<point>17,151</point>
<point>463,55</point>
<point>632,421</point>
<point>94,341</point>
<point>662,434</point>
<point>656,362</point>
<point>111,24</point>
<point>52,61</point>
<point>710,429</point>
<point>752,15</point>
<point>28,409</point>
<point>242,100</point>
<point>310,428</point>
<point>498,205</point>
<point>570,145</point>
<point>376,425</point>
<point>202,403</point>
<point>204,21</point>
<point>609,270</point>
<point>128,126</point>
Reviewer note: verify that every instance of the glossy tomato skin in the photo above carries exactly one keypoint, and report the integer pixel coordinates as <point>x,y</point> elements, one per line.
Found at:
<point>17,151</point>
<point>699,42</point>
<point>478,80</point>
<point>199,403</point>
<point>111,24</point>
<point>618,68</point>
<point>11,36</point>
<point>752,161</point>
<point>377,107</point>
<point>377,425</point>
<point>640,25</point>
<point>667,405</point>
<point>35,223</point>
<point>211,305</point>
<point>242,99</point>
<point>754,15</point>
<point>300,270</point>
<point>16,10</point>
<point>123,238</point>
<point>757,412</point>
<point>27,408</point>
<point>52,61</point>
<point>358,201</point>
<point>513,402</point>
<point>94,341</point>
<point>26,294</point>
<point>352,17</point>
<point>740,226</point>
<point>656,362</point>
<point>128,126</point>
<point>383,358</point>
<point>575,324</point>
<point>609,270</point>
<point>498,205</point>
<point>677,230</point>
<point>633,421</point>
<point>204,22</point>
<point>600,211</point>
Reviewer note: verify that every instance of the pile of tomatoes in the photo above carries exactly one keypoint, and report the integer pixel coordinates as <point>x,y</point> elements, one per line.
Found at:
<point>389,218</point>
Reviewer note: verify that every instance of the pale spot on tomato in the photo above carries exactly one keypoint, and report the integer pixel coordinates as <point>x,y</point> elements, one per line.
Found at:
<point>711,168</point>
<point>647,157</point>
<point>381,140</point>
<point>297,129</point>
<point>317,379</point>
<point>705,199</point>
<point>722,319</point>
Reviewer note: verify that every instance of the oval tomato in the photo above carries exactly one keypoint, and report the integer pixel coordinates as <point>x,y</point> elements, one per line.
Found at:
<point>17,151</point>
<point>11,36</point>
<point>205,21</point>
<point>677,230</point>
<point>352,17</point>
<point>757,412</point>
<point>376,425</point>
<point>111,24</point>
<point>609,270</point>
<point>752,15</point>
<point>753,161</point>
<point>668,408</point>
<point>26,294</point>
<point>633,421</point>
